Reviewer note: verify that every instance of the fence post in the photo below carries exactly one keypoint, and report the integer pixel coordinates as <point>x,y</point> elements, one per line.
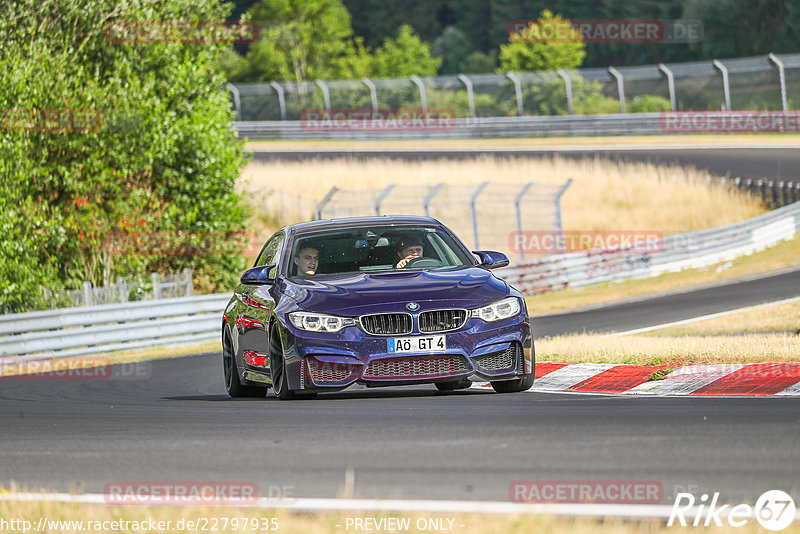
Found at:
<point>470,96</point>
<point>517,201</point>
<point>472,200</point>
<point>432,193</point>
<point>726,88</point>
<point>568,86</point>
<point>373,94</point>
<point>620,87</point>
<point>324,201</point>
<point>187,276</point>
<point>517,91</point>
<point>380,198</point>
<point>558,227</point>
<point>122,284</point>
<point>423,99</point>
<point>281,99</point>
<point>670,84</point>
<point>326,96</point>
<point>782,76</point>
<point>156,286</point>
<point>237,104</point>
<point>87,294</point>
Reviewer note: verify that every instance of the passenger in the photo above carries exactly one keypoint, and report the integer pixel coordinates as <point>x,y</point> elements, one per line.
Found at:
<point>307,260</point>
<point>409,249</point>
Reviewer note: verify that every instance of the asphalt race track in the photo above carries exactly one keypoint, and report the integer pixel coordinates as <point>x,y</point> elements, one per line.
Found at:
<point>774,163</point>
<point>171,420</point>
<point>671,307</point>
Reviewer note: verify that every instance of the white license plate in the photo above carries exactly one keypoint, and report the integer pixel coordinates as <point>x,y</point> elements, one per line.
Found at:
<point>396,345</point>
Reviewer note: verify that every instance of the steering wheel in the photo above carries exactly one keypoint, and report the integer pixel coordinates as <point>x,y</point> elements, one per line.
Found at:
<point>423,262</point>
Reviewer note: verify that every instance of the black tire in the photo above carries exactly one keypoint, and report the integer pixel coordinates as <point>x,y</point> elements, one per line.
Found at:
<point>230,372</point>
<point>516,385</point>
<point>278,365</point>
<point>453,385</point>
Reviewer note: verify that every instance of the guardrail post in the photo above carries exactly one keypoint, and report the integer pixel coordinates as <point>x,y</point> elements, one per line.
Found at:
<point>432,193</point>
<point>670,84</point>
<point>380,198</point>
<point>726,88</point>
<point>281,98</point>
<point>373,94</point>
<point>237,104</point>
<point>187,276</point>
<point>324,201</point>
<point>763,191</point>
<point>620,87</point>
<point>517,201</point>
<point>773,193</point>
<point>122,284</point>
<point>517,91</point>
<point>326,96</point>
<point>470,96</point>
<point>782,76</point>
<point>87,294</point>
<point>568,86</point>
<point>472,200</point>
<point>423,98</point>
<point>156,286</point>
<point>558,227</point>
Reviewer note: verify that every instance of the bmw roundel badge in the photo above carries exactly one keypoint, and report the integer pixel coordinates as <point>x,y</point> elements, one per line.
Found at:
<point>413,306</point>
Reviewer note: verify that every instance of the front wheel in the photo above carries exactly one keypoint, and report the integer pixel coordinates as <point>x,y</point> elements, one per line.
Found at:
<point>230,370</point>
<point>453,385</point>
<point>280,384</point>
<point>516,385</point>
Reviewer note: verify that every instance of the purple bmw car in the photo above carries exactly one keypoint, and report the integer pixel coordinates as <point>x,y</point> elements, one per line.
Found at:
<point>378,301</point>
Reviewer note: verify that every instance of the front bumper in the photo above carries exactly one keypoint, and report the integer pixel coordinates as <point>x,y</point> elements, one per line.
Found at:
<point>478,351</point>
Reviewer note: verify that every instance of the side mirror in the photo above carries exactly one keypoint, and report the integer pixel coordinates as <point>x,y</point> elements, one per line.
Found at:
<point>491,259</point>
<point>258,275</point>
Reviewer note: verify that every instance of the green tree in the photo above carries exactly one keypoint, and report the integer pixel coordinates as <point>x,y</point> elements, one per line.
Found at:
<point>137,137</point>
<point>405,56</point>
<point>304,40</point>
<point>453,47</point>
<point>546,44</point>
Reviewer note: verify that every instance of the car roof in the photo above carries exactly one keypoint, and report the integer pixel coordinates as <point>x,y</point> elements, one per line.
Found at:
<point>353,222</point>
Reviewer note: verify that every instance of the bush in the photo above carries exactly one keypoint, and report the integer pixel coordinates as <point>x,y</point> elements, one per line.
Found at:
<point>157,153</point>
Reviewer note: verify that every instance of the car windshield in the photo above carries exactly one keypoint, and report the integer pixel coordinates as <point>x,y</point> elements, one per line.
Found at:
<point>377,248</point>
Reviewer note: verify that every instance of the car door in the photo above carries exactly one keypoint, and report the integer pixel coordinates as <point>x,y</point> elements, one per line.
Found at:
<point>253,309</point>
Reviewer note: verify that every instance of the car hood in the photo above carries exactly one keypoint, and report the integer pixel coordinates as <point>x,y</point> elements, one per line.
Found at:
<point>360,293</point>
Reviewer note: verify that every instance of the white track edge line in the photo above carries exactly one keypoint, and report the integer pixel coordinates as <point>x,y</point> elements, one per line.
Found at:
<point>704,317</point>
<point>630,511</point>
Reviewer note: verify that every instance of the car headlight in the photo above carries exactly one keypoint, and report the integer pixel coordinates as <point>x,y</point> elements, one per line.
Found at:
<point>319,322</point>
<point>502,309</point>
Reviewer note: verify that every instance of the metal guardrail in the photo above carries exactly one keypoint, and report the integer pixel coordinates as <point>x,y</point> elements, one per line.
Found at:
<point>98,329</point>
<point>682,251</point>
<point>472,128</point>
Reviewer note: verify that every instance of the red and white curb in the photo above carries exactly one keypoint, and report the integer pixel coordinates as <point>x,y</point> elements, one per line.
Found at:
<point>752,379</point>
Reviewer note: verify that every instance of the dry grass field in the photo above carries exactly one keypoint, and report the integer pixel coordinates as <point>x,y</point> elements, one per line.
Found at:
<point>604,195</point>
<point>178,520</point>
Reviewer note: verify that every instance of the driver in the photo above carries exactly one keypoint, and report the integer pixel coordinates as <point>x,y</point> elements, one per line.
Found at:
<point>307,261</point>
<point>410,248</point>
